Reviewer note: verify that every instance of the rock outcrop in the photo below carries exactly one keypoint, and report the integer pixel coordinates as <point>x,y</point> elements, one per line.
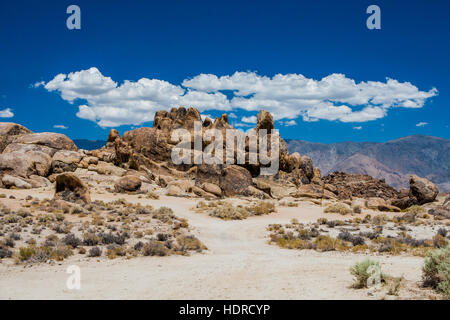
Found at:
<point>128,184</point>
<point>70,188</point>
<point>361,186</point>
<point>25,155</point>
<point>144,155</point>
<point>420,191</point>
<point>8,131</point>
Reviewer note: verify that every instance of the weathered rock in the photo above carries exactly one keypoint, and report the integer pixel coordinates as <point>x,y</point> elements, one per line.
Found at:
<point>24,148</point>
<point>175,191</point>
<point>424,190</point>
<point>53,140</point>
<point>70,188</point>
<point>306,165</point>
<point>313,191</point>
<point>128,183</point>
<point>65,161</point>
<point>38,181</point>
<point>264,120</point>
<point>113,135</point>
<point>330,188</point>
<point>10,182</point>
<point>107,168</point>
<point>380,204</point>
<point>163,180</point>
<point>7,132</point>
<point>440,212</point>
<point>150,142</point>
<point>360,186</point>
<point>291,161</point>
<point>279,192</point>
<point>256,193</point>
<point>183,184</point>
<point>358,203</point>
<point>262,184</point>
<point>404,202</point>
<point>317,177</point>
<point>235,180</point>
<point>202,193</point>
<point>208,174</point>
<point>24,164</point>
<point>212,188</point>
<point>91,160</point>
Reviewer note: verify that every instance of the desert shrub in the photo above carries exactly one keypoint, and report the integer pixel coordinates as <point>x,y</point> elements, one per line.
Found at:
<point>61,251</point>
<point>363,270</point>
<point>436,271</point>
<point>12,218</point>
<point>25,253</point>
<point>347,236</point>
<point>292,243</point>
<point>41,254</point>
<point>337,208</point>
<point>14,236</point>
<point>152,195</point>
<point>262,207</point>
<point>164,214</point>
<point>327,243</point>
<point>357,209</point>
<point>155,248</point>
<point>138,246</point>
<point>114,251</point>
<point>2,195</point>
<point>71,240</point>
<point>380,219</point>
<point>5,253</point>
<point>390,245</point>
<point>394,286</point>
<point>90,239</point>
<point>230,213</point>
<point>408,217</point>
<point>368,234</point>
<point>439,241</point>
<point>144,211</point>
<point>95,252</point>
<point>190,242</point>
<point>442,232</point>
<point>415,209</point>
<point>162,236</point>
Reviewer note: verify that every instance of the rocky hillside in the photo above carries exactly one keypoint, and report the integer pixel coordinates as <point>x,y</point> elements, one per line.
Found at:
<point>393,160</point>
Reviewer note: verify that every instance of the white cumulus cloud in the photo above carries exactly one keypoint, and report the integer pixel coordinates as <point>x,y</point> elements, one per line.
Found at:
<point>6,113</point>
<point>357,128</point>
<point>421,124</point>
<point>60,126</point>
<point>251,119</point>
<point>286,96</point>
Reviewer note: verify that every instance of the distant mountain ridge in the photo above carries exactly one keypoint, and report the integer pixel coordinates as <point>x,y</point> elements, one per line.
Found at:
<point>89,144</point>
<point>393,160</point>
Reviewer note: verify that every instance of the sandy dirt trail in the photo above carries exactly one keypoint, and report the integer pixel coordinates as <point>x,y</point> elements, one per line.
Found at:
<point>239,264</point>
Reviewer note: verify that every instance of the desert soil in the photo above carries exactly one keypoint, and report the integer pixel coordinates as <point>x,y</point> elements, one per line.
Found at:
<point>239,264</point>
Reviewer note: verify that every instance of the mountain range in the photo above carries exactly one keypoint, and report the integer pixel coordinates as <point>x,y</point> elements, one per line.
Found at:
<point>394,160</point>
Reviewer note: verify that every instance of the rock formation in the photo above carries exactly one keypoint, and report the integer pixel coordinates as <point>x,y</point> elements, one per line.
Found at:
<point>29,160</point>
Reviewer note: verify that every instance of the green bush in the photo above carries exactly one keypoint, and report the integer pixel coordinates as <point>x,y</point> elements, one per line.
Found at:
<point>436,271</point>
<point>362,273</point>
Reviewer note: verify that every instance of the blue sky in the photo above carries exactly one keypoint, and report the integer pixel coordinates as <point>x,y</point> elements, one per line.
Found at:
<point>190,51</point>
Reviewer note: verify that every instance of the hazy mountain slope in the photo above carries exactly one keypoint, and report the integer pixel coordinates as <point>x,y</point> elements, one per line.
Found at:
<point>394,160</point>
<point>359,163</point>
<point>89,144</point>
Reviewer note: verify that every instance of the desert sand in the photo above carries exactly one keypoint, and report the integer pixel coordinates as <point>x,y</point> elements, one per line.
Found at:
<point>239,264</point>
